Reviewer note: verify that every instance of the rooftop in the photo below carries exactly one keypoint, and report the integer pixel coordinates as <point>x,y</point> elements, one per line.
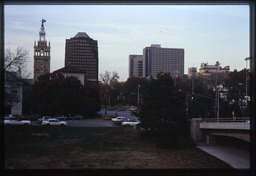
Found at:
<point>81,35</point>
<point>69,69</point>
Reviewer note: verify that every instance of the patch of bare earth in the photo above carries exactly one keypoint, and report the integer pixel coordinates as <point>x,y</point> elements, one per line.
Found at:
<point>119,148</point>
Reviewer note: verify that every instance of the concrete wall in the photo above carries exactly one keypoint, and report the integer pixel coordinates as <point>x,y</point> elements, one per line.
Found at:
<point>225,125</point>
<point>206,132</point>
<point>195,132</point>
<point>243,135</point>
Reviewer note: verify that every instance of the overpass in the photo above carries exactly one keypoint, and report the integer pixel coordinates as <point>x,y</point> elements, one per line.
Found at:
<point>205,130</point>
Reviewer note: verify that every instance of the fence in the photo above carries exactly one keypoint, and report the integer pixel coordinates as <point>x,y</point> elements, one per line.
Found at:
<point>235,119</point>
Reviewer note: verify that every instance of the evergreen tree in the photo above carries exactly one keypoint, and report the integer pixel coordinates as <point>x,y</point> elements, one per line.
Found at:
<point>54,94</point>
<point>163,109</point>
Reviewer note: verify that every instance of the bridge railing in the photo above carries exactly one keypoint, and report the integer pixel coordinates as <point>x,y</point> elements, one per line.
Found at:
<point>235,119</point>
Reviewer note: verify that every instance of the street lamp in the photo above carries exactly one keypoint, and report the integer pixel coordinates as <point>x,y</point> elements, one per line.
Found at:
<point>246,88</point>
<point>138,100</point>
<point>216,91</point>
<point>176,75</point>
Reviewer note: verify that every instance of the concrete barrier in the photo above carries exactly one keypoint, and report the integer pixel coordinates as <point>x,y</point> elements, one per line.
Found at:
<point>225,125</point>
<point>196,133</point>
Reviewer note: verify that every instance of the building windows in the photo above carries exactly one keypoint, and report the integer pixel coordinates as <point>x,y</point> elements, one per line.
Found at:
<point>82,52</point>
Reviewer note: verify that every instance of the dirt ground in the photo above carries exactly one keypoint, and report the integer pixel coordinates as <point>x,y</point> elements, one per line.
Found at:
<point>96,148</point>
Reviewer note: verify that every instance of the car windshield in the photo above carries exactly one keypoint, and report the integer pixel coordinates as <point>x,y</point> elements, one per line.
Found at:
<point>53,120</point>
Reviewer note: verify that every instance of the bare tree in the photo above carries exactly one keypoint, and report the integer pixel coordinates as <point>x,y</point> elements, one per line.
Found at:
<point>17,60</point>
<point>114,79</point>
<point>14,61</point>
<point>105,78</point>
<point>109,78</point>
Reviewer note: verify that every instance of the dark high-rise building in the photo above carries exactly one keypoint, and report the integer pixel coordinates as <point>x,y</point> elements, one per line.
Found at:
<point>82,53</point>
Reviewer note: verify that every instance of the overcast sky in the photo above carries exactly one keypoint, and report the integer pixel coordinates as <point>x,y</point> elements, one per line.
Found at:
<point>207,33</point>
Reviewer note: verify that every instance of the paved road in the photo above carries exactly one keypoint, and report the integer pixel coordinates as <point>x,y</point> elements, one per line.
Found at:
<point>81,123</point>
<point>101,122</point>
<point>126,114</point>
<point>98,122</point>
<point>237,157</point>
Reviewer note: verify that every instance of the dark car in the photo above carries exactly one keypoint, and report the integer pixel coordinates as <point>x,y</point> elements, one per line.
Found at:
<point>76,116</point>
<point>60,117</point>
<point>44,118</point>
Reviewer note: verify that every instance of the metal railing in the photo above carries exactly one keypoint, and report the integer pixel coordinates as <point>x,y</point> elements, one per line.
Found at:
<point>235,119</point>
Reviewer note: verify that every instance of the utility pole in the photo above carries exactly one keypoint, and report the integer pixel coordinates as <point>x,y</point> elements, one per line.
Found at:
<point>216,92</point>
<point>246,88</point>
<point>193,84</point>
<point>138,100</point>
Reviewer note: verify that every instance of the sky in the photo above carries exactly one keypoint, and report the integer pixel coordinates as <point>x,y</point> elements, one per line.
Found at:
<point>207,33</point>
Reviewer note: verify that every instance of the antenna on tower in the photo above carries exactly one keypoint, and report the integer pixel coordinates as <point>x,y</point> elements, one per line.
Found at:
<point>43,21</point>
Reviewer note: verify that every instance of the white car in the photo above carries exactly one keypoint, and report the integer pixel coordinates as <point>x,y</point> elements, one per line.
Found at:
<point>17,122</point>
<point>119,120</point>
<point>131,122</point>
<point>54,122</point>
<point>132,108</point>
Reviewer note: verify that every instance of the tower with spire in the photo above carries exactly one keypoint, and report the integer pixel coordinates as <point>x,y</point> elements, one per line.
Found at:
<point>41,54</point>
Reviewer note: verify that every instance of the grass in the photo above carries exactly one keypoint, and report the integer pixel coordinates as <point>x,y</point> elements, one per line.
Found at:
<point>35,147</point>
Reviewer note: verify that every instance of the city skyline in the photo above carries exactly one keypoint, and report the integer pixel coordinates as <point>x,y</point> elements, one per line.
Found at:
<point>207,33</point>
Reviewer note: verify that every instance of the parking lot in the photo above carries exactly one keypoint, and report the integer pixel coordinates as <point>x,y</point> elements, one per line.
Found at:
<point>96,122</point>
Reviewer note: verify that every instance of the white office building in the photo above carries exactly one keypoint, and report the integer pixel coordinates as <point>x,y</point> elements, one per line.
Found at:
<point>167,60</point>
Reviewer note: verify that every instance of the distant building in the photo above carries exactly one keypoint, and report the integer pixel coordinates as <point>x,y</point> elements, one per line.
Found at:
<point>136,66</point>
<point>192,71</point>
<point>207,70</point>
<point>13,93</point>
<point>27,88</point>
<point>72,71</point>
<point>167,60</point>
<point>17,93</point>
<point>41,54</point>
<point>82,53</point>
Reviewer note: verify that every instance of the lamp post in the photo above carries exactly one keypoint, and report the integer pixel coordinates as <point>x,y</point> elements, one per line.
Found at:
<point>138,100</point>
<point>216,92</point>
<point>246,88</point>
<point>176,75</point>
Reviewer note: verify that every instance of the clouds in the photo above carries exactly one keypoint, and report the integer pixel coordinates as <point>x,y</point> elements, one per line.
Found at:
<point>207,33</point>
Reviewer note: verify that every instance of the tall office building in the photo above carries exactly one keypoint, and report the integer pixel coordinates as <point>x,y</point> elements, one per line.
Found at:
<point>82,53</point>
<point>41,54</point>
<point>136,66</point>
<point>168,60</point>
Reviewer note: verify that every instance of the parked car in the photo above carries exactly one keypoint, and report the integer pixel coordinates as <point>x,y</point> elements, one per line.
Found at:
<point>53,121</point>
<point>76,116</point>
<point>132,108</point>
<point>17,122</point>
<point>44,118</point>
<point>60,117</point>
<point>131,122</point>
<point>119,120</point>
<point>109,117</point>
<point>8,117</point>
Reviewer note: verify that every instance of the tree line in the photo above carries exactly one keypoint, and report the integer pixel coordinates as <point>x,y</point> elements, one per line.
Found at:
<point>54,90</point>
<point>54,94</point>
<point>163,107</point>
<point>200,94</point>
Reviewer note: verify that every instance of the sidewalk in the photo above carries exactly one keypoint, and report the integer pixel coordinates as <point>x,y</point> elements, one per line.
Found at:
<point>238,158</point>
